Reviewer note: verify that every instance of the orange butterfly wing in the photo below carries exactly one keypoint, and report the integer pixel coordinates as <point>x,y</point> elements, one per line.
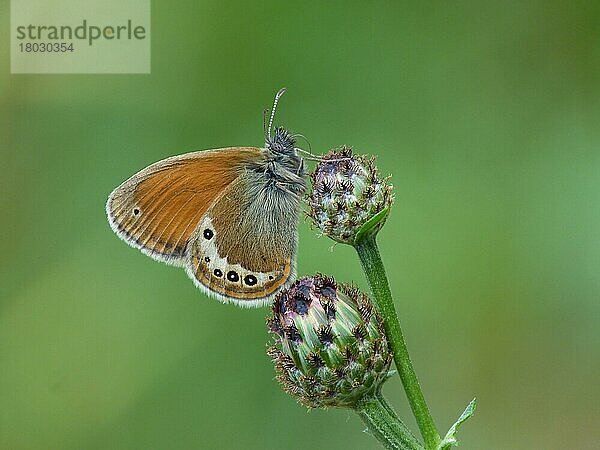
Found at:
<point>158,209</point>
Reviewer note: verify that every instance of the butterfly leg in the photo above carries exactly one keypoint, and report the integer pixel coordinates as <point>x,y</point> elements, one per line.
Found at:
<point>300,167</point>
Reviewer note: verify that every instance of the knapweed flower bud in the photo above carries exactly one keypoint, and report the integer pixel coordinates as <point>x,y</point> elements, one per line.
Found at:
<point>330,345</point>
<point>347,193</point>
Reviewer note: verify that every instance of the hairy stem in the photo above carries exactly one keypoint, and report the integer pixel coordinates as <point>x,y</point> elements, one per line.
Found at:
<point>375,272</point>
<point>385,425</point>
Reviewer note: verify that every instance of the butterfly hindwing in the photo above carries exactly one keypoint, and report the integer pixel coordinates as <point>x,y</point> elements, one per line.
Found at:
<point>245,246</point>
<point>158,209</point>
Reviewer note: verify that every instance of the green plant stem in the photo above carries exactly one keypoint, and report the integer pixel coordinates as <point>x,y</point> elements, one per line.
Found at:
<point>375,272</point>
<point>385,425</point>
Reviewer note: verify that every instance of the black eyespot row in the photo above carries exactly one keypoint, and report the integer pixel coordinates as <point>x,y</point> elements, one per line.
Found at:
<point>207,259</point>
<point>250,280</point>
<point>218,273</point>
<point>208,233</point>
<point>233,276</point>
<point>136,211</point>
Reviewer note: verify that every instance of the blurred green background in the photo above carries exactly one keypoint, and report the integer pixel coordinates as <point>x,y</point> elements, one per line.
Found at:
<point>486,113</point>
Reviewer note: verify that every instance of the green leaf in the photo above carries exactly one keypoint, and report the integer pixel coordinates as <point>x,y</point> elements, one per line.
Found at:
<point>450,439</point>
<point>372,224</point>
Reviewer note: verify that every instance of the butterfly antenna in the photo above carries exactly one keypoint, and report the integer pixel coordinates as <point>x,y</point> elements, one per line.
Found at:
<point>265,112</point>
<point>277,97</point>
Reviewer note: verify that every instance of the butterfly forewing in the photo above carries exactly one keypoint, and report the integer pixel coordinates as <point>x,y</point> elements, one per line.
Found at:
<point>158,209</point>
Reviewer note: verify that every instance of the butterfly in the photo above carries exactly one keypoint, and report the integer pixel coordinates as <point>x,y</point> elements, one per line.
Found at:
<point>229,216</point>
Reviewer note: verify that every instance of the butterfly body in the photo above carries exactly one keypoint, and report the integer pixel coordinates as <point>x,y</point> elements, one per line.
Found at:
<point>228,216</point>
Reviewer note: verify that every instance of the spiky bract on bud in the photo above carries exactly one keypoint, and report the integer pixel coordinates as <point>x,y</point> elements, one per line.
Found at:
<point>347,193</point>
<point>330,345</point>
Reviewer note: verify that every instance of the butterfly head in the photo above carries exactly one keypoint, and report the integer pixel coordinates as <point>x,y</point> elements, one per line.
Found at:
<point>281,143</point>
<point>281,149</point>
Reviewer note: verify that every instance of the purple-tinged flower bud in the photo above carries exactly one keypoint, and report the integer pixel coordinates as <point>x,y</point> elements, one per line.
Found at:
<point>330,347</point>
<point>348,197</point>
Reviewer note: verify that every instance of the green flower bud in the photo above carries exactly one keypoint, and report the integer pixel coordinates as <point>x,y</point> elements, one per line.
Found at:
<point>330,345</point>
<point>348,197</point>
